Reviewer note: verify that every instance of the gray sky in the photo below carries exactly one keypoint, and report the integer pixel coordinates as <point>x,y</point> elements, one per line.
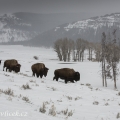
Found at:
<point>88,7</point>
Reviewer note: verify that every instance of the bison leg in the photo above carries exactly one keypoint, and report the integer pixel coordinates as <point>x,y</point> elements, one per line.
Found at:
<point>72,81</point>
<point>41,75</point>
<point>33,74</point>
<point>10,69</point>
<point>37,75</point>
<point>66,81</point>
<point>6,69</point>
<point>3,68</point>
<point>56,79</point>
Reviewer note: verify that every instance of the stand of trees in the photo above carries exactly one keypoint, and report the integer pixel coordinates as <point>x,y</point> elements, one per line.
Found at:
<point>63,48</point>
<point>110,57</point>
<point>68,49</point>
<point>107,52</point>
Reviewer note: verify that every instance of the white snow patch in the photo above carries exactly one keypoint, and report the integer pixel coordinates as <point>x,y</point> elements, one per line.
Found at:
<point>86,99</point>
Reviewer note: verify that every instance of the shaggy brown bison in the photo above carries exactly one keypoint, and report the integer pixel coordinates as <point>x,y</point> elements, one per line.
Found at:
<point>12,65</point>
<point>39,69</point>
<point>67,74</point>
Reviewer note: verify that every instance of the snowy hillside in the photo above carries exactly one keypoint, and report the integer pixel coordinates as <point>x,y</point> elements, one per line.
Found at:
<point>96,22</point>
<point>82,100</point>
<point>89,29</point>
<point>40,30</point>
<point>23,26</point>
<point>92,28</point>
<point>13,28</point>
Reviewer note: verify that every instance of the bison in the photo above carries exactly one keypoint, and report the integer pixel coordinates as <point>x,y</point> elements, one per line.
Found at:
<point>0,62</point>
<point>66,74</point>
<point>39,69</point>
<point>12,65</point>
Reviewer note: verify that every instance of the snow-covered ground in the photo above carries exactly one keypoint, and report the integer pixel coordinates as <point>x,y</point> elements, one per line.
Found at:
<point>83,102</point>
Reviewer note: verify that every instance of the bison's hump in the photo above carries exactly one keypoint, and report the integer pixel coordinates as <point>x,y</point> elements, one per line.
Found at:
<point>65,70</point>
<point>38,66</point>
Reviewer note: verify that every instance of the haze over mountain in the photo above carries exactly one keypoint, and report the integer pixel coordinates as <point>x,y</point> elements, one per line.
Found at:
<point>90,29</point>
<point>26,27</point>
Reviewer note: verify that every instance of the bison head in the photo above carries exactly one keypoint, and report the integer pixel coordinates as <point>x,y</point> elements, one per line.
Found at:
<point>45,71</point>
<point>77,76</point>
<point>17,68</point>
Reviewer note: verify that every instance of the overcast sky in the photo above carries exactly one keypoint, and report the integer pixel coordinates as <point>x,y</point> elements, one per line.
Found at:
<point>88,7</point>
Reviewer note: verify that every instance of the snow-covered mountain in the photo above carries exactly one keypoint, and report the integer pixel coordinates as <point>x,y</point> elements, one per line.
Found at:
<point>32,27</point>
<point>24,26</point>
<point>14,28</point>
<point>90,29</point>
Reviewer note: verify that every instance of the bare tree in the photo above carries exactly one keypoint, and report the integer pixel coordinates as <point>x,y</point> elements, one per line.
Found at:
<point>70,48</point>
<point>115,59</point>
<point>74,52</point>
<point>63,48</point>
<point>103,43</point>
<point>98,49</point>
<point>57,48</point>
<point>80,47</point>
<point>90,50</point>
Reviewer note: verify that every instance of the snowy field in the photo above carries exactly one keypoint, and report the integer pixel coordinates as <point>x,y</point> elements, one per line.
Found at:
<point>82,100</point>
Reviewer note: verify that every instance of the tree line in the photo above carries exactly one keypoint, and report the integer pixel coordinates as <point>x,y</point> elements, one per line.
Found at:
<point>68,49</point>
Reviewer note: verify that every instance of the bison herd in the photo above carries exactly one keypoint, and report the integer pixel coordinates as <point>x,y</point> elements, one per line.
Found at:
<point>39,70</point>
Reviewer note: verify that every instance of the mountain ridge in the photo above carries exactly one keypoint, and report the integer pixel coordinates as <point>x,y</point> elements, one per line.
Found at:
<point>23,26</point>
<point>89,29</point>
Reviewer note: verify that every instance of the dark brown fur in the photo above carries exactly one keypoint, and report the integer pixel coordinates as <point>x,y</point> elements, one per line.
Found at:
<point>39,69</point>
<point>67,74</point>
<point>0,62</point>
<point>12,65</point>
<point>15,67</point>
